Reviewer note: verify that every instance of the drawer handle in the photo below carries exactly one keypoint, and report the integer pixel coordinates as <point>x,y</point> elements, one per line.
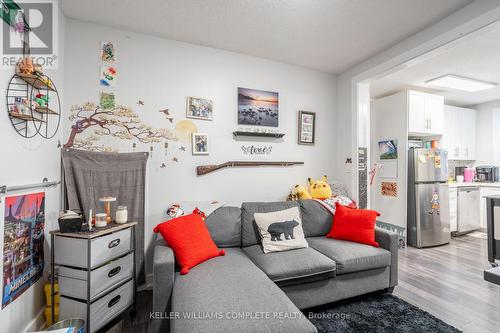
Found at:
<point>114,243</point>
<point>114,271</point>
<point>114,301</point>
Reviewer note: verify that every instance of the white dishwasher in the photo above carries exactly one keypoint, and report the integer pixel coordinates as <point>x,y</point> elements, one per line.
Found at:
<point>468,209</point>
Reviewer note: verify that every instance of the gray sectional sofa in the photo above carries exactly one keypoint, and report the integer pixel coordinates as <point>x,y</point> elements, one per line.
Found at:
<point>249,291</point>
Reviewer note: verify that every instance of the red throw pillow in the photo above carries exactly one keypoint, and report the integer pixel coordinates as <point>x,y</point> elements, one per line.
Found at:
<point>356,225</point>
<point>190,240</point>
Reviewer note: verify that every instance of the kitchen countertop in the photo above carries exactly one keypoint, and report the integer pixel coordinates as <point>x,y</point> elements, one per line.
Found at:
<point>474,184</point>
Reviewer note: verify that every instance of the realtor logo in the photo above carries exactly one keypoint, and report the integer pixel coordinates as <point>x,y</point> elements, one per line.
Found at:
<point>29,23</point>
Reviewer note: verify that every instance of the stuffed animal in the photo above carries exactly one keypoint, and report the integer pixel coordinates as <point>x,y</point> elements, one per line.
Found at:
<point>292,196</point>
<point>42,100</point>
<point>21,107</point>
<point>45,80</point>
<point>37,69</point>
<point>174,211</point>
<point>319,189</point>
<point>301,192</point>
<point>25,66</point>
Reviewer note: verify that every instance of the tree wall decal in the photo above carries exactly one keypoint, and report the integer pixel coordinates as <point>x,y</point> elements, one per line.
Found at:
<point>120,122</point>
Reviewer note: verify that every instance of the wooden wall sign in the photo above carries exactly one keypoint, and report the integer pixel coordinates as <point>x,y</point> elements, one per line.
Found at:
<point>256,150</point>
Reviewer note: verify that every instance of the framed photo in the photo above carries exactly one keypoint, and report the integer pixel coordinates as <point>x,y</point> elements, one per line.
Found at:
<point>199,108</point>
<point>258,107</point>
<point>307,128</point>
<point>388,149</point>
<point>200,144</point>
<point>108,51</point>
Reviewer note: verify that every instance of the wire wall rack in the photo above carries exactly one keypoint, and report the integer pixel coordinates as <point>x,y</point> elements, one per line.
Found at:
<point>33,105</point>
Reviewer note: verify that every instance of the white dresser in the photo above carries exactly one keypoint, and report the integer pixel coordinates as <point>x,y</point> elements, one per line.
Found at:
<point>96,273</point>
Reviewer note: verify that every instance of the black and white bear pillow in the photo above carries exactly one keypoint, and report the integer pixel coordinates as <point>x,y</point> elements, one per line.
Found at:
<point>281,230</point>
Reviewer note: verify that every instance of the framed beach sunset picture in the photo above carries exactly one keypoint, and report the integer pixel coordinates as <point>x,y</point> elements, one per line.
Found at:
<point>258,107</point>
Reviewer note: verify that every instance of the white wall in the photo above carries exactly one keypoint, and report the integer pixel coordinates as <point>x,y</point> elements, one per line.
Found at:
<point>163,73</point>
<point>28,161</point>
<point>389,120</point>
<point>468,19</point>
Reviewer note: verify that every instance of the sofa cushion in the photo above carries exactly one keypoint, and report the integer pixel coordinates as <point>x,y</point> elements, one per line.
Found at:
<point>292,267</point>
<point>224,225</point>
<point>350,256</point>
<point>316,219</point>
<point>355,225</point>
<point>281,231</point>
<point>190,240</point>
<point>230,294</point>
<point>249,232</point>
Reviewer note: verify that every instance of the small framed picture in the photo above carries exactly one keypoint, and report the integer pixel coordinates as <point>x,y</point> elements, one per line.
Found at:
<point>199,108</point>
<point>200,144</point>
<point>307,128</point>
<point>108,51</point>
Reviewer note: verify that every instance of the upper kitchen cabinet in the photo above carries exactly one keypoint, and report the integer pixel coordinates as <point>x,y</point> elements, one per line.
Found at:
<point>488,120</point>
<point>459,135</point>
<point>425,114</point>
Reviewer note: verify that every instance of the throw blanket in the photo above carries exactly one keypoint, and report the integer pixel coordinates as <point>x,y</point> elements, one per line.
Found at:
<point>187,207</point>
<point>329,203</point>
<point>89,176</point>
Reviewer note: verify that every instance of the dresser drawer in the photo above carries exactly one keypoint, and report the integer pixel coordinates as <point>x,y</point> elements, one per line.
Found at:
<point>102,310</point>
<point>73,281</point>
<point>73,251</point>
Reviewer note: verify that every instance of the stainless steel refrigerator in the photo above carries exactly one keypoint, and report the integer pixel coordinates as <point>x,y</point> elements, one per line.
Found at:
<point>428,201</point>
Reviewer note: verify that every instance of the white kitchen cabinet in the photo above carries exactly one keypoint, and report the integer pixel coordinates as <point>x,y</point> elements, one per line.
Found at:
<point>453,193</point>
<point>496,137</point>
<point>434,110</point>
<point>449,140</point>
<point>468,139</point>
<point>417,121</point>
<point>485,191</point>
<point>425,114</point>
<point>488,137</point>
<point>459,133</point>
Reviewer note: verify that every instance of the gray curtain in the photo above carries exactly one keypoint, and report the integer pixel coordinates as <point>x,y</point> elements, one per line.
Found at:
<point>89,176</point>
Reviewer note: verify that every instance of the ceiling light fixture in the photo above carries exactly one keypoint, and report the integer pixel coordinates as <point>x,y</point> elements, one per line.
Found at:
<point>460,83</point>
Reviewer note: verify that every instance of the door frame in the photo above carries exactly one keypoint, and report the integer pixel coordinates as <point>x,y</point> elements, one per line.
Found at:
<point>360,83</point>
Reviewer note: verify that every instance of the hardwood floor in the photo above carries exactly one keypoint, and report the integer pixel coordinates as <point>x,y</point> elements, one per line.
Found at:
<point>447,281</point>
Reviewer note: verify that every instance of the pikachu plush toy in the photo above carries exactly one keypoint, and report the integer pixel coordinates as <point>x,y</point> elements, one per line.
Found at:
<point>319,189</point>
<point>300,192</point>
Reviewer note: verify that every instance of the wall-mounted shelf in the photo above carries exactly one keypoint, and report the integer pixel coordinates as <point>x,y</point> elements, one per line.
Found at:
<point>36,81</point>
<point>258,134</point>
<point>25,117</point>
<point>28,117</point>
<point>45,110</point>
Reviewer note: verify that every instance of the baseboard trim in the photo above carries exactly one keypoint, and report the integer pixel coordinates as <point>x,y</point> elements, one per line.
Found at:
<point>148,285</point>
<point>38,323</point>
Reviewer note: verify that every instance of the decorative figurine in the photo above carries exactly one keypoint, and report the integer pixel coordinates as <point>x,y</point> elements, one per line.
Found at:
<point>21,106</point>
<point>20,26</point>
<point>25,66</point>
<point>37,69</point>
<point>42,100</point>
<point>45,80</point>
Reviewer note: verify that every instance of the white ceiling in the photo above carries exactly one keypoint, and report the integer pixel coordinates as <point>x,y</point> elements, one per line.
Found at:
<point>475,57</point>
<point>328,35</point>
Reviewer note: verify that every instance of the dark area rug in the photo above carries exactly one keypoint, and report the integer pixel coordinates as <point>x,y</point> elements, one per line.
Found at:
<point>376,313</point>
